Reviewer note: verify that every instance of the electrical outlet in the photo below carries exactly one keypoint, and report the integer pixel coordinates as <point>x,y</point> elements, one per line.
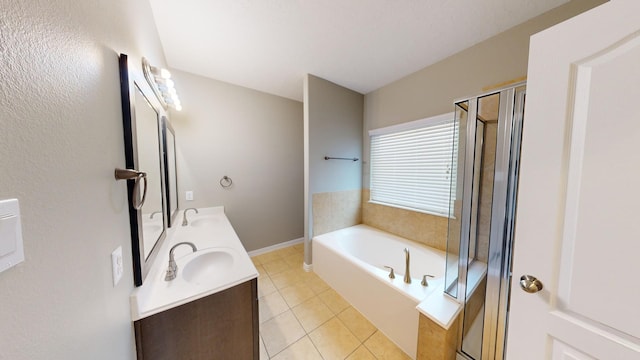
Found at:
<point>189,195</point>
<point>116,265</point>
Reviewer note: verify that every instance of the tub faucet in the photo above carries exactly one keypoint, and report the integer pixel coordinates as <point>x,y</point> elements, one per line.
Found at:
<point>184,216</point>
<point>172,270</point>
<point>407,276</point>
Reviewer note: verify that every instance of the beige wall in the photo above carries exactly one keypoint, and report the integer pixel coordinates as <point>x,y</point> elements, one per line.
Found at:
<point>432,90</point>
<point>254,138</point>
<point>333,127</point>
<point>61,138</point>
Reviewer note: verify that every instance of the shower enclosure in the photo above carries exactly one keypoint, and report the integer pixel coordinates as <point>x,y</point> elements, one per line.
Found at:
<point>480,236</point>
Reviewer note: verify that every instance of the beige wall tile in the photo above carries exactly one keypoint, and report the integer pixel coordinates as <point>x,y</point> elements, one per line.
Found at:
<point>427,229</point>
<point>336,210</point>
<point>436,343</point>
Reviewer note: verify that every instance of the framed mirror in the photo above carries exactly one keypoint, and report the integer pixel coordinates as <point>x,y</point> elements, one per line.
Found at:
<point>142,115</point>
<point>171,175</point>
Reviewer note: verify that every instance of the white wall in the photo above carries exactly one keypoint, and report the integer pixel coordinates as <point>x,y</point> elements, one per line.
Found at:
<point>61,138</point>
<point>432,90</point>
<point>333,127</point>
<point>254,138</point>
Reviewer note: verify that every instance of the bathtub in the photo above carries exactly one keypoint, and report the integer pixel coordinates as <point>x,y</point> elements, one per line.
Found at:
<point>352,262</point>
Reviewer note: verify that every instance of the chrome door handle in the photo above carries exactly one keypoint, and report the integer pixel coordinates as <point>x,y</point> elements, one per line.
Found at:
<point>530,284</point>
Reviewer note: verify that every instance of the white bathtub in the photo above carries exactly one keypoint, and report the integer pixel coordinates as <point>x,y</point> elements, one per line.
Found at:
<point>351,261</point>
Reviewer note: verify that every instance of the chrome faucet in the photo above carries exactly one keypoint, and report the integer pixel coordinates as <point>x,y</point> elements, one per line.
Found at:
<point>407,276</point>
<point>172,270</point>
<point>184,216</point>
<point>153,213</point>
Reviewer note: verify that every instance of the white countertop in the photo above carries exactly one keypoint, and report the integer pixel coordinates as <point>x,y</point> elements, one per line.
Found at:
<point>207,230</point>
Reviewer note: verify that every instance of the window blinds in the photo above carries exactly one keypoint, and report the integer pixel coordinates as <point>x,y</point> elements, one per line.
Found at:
<point>412,164</point>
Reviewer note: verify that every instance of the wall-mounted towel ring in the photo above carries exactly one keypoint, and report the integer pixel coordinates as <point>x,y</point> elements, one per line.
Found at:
<point>129,174</point>
<point>226,182</point>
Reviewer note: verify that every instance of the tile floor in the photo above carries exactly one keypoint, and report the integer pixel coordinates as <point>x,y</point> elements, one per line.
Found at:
<point>301,317</point>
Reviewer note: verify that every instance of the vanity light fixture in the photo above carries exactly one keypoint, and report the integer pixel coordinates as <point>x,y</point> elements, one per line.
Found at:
<point>162,85</point>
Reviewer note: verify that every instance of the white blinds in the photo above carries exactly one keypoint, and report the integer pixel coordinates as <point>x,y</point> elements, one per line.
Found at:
<point>412,164</point>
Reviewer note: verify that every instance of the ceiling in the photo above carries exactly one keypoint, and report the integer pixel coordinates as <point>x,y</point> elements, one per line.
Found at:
<point>269,45</point>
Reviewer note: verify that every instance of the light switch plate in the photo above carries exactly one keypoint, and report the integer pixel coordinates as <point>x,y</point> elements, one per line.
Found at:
<point>189,195</point>
<point>116,265</point>
<point>11,247</point>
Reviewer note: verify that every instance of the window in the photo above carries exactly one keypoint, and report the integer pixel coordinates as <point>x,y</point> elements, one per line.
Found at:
<point>412,165</point>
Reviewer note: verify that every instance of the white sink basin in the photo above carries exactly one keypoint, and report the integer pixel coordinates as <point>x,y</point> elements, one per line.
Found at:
<point>207,221</point>
<point>208,266</point>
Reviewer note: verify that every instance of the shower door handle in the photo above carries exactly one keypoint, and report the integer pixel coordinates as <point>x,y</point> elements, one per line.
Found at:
<point>530,284</point>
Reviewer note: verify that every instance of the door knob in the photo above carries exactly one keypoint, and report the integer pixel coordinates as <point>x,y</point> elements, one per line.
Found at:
<point>530,284</point>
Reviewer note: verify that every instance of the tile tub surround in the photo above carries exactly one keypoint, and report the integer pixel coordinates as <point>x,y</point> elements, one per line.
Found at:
<point>301,317</point>
<point>336,210</point>
<point>427,229</point>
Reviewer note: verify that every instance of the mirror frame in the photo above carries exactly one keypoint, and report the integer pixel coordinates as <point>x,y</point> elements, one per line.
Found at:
<point>167,128</point>
<point>129,80</point>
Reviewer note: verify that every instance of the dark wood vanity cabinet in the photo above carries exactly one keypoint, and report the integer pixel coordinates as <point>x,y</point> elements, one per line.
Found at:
<point>220,326</point>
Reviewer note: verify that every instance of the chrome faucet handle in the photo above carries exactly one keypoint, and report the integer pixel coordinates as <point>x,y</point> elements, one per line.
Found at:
<point>424,279</point>
<point>407,274</point>
<point>391,274</point>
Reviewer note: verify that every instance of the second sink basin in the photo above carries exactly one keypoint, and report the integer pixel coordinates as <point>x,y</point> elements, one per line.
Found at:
<point>207,266</point>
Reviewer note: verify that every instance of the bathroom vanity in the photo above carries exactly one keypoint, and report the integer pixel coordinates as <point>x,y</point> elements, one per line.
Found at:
<point>210,310</point>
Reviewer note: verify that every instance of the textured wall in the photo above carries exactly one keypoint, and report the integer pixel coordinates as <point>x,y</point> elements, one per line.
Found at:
<point>60,140</point>
<point>254,138</point>
<point>336,210</point>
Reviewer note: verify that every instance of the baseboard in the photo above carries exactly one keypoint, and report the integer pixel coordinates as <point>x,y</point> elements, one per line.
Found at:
<point>275,247</point>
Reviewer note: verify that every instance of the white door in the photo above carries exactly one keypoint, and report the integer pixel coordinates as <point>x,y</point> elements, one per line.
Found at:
<point>578,214</point>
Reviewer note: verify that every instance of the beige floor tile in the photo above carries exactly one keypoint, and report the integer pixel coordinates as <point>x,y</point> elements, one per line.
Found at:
<point>295,260</point>
<point>312,313</point>
<point>275,267</point>
<point>357,323</point>
<point>296,294</point>
<point>265,286</point>
<point>383,348</point>
<point>333,300</point>
<point>263,351</point>
<point>261,271</point>
<point>287,278</point>
<point>303,349</point>
<point>265,258</point>
<point>315,282</point>
<point>334,340</point>
<point>284,252</point>
<point>256,260</point>
<point>271,305</point>
<point>361,353</point>
<point>280,332</point>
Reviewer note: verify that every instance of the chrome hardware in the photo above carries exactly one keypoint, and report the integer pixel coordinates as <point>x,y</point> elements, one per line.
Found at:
<point>172,270</point>
<point>153,213</point>
<point>129,174</point>
<point>407,276</point>
<point>184,216</point>
<point>391,274</point>
<point>530,284</point>
<point>424,280</point>
<point>226,182</point>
